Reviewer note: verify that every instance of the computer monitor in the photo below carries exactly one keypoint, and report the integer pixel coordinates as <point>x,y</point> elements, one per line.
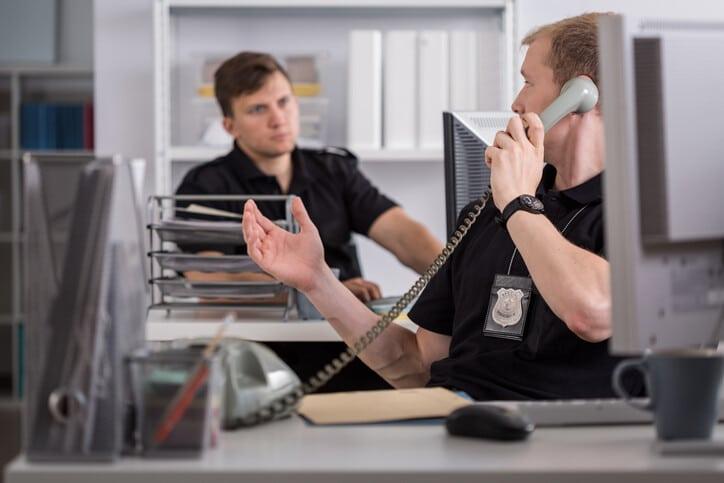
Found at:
<point>466,135</point>
<point>664,218</point>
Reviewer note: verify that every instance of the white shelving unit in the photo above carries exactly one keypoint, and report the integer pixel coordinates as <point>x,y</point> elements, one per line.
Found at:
<point>187,31</point>
<point>195,153</point>
<point>17,85</point>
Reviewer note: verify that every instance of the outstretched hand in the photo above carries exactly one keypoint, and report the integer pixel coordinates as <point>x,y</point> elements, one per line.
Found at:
<point>295,259</point>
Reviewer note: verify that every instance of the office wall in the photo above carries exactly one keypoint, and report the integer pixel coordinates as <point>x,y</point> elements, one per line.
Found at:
<point>532,13</point>
<point>123,51</point>
<point>27,31</point>
<point>46,32</point>
<point>75,24</point>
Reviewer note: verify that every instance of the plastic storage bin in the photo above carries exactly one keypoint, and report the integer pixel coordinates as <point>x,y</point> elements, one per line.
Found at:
<point>157,377</point>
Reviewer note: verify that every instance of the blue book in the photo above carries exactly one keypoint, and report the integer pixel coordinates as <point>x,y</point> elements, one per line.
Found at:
<point>78,126</point>
<point>29,116</point>
<point>42,126</point>
<point>52,120</point>
<point>64,127</point>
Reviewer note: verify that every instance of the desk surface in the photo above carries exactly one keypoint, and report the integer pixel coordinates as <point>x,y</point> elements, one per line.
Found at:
<point>291,451</point>
<point>256,324</point>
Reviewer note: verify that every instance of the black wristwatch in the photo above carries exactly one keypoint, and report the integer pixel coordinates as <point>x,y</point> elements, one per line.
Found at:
<point>528,203</point>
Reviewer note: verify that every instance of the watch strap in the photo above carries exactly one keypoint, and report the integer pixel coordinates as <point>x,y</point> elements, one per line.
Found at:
<point>519,204</point>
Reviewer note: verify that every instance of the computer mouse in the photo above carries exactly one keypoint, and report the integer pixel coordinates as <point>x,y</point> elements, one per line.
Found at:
<point>488,421</point>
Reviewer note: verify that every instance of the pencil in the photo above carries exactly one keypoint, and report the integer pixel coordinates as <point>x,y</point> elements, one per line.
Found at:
<point>181,401</point>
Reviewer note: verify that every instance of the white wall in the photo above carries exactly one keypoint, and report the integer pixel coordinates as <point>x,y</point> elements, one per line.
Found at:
<point>123,51</point>
<point>75,43</point>
<point>420,188</point>
<point>48,31</point>
<point>533,13</point>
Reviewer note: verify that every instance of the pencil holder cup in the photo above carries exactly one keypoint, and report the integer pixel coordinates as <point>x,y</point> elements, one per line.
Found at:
<point>176,400</point>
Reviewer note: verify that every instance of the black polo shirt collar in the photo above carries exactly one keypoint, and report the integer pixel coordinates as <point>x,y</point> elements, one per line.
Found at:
<point>587,192</point>
<point>248,170</point>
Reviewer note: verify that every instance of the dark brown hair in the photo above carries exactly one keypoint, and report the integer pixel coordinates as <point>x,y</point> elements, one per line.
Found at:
<point>574,46</point>
<point>244,73</point>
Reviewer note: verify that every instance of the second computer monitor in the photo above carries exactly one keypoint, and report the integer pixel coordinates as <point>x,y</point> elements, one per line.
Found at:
<point>661,103</point>
<point>466,136</point>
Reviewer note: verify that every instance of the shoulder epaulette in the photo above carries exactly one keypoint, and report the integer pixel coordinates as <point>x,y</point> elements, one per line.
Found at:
<point>338,151</point>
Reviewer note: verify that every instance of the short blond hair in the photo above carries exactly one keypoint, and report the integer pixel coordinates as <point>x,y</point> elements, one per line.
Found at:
<point>574,46</point>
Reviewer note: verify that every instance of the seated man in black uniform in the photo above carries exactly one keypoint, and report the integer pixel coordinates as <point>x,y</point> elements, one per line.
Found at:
<point>261,113</point>
<point>475,333</point>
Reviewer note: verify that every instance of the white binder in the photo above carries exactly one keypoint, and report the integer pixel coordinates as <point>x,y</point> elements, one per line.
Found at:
<point>433,92</point>
<point>464,70</point>
<point>400,89</point>
<point>364,95</point>
<point>491,78</point>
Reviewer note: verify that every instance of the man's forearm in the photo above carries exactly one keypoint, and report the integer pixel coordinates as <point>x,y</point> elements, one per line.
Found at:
<point>394,355</point>
<point>574,282</point>
<point>417,247</point>
<point>412,243</point>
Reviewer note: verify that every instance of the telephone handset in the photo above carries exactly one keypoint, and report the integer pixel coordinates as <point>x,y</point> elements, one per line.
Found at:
<point>578,95</point>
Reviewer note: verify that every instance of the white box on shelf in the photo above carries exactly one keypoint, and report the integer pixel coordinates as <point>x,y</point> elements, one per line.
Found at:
<point>364,92</point>
<point>313,121</point>
<point>491,78</point>
<point>464,70</point>
<point>433,90</point>
<point>400,89</point>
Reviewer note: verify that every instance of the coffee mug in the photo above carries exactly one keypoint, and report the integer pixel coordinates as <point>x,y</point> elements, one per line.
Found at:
<point>683,388</point>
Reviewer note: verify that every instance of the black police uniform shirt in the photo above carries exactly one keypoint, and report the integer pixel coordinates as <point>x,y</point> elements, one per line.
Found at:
<point>338,197</point>
<point>550,362</point>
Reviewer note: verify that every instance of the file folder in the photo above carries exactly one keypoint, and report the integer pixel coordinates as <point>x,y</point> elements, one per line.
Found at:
<point>400,90</point>
<point>433,90</point>
<point>364,94</point>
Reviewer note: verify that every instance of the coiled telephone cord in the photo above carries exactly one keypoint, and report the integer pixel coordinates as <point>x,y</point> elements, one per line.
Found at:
<point>281,405</point>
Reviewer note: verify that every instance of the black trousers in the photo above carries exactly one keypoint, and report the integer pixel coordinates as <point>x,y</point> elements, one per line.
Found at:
<point>307,358</point>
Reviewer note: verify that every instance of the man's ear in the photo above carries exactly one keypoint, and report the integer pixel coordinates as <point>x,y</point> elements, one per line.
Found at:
<point>228,124</point>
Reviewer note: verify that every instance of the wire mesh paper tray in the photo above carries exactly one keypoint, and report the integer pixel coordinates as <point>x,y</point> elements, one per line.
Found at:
<point>181,227</point>
<point>181,287</point>
<point>187,262</point>
<point>206,232</point>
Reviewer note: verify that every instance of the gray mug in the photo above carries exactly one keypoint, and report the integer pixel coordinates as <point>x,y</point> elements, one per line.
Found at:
<point>683,388</point>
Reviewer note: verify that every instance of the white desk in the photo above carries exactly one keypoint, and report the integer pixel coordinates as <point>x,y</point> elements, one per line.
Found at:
<point>255,324</point>
<point>290,451</point>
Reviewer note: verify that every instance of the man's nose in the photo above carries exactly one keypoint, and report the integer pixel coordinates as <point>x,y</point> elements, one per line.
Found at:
<point>276,116</point>
<point>517,105</point>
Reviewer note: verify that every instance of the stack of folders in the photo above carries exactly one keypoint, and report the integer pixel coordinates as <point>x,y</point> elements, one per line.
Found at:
<point>401,81</point>
<point>83,320</point>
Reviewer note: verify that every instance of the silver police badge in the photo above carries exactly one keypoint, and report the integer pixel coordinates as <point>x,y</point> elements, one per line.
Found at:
<point>508,309</point>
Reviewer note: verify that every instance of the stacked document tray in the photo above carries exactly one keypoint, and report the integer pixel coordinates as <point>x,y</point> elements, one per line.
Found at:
<point>183,230</point>
<point>188,262</point>
<point>181,287</point>
<point>206,232</point>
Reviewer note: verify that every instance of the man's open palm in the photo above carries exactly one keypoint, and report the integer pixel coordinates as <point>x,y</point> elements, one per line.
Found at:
<point>294,259</point>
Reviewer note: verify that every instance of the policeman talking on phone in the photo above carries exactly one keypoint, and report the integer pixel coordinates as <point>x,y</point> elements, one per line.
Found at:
<point>521,309</point>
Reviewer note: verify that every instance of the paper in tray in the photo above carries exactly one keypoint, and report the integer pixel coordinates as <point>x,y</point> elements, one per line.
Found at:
<point>184,262</point>
<point>181,287</point>
<point>200,231</point>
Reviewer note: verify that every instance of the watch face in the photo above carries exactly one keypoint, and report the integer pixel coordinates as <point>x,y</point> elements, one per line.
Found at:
<point>531,202</point>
